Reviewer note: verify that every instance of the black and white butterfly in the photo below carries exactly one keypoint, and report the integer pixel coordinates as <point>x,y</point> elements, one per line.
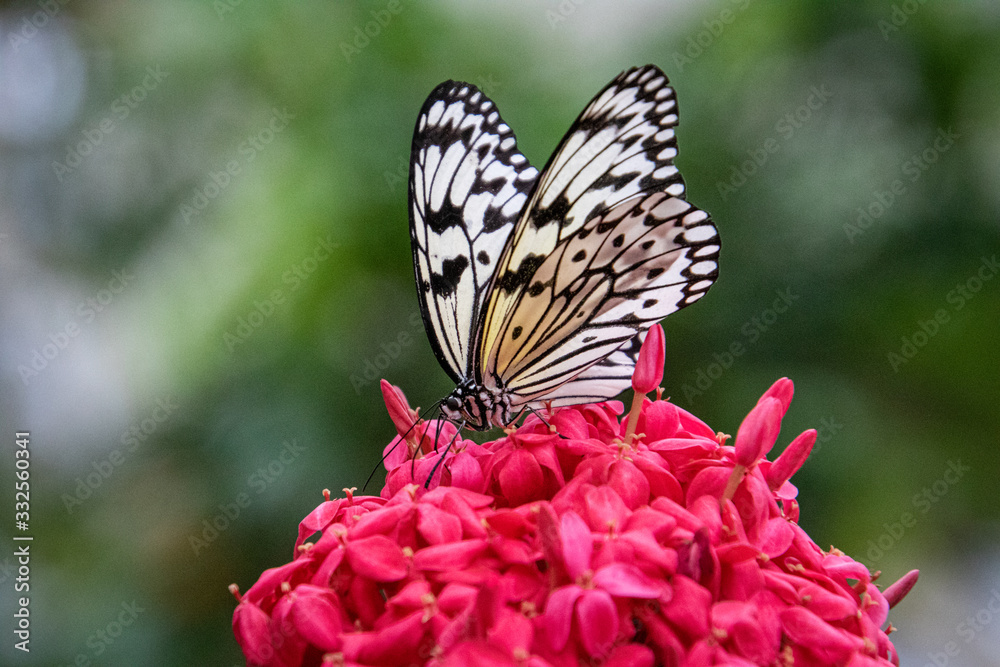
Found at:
<point>537,288</point>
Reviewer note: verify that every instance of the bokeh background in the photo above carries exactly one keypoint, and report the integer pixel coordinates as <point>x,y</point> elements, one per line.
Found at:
<point>205,268</point>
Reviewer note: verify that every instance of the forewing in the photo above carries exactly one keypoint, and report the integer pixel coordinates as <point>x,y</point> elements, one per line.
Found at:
<point>622,146</point>
<point>468,186</point>
<point>614,278</point>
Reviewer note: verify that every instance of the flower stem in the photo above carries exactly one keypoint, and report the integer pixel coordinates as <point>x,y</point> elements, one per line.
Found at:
<point>633,415</point>
<point>734,482</point>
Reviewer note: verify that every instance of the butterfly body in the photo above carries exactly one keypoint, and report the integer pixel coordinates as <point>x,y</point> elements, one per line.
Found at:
<point>477,406</point>
<point>536,288</point>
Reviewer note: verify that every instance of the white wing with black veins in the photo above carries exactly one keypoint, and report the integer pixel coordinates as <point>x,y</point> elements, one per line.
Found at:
<point>607,247</point>
<point>468,187</point>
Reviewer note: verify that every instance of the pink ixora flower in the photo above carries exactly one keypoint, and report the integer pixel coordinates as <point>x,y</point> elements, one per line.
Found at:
<point>580,540</point>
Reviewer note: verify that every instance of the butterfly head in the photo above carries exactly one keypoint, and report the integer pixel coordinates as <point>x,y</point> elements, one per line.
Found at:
<point>477,407</point>
<point>451,407</point>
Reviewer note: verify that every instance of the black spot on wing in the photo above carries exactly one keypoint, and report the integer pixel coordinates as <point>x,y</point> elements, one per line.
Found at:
<point>556,212</point>
<point>444,283</point>
<point>512,281</point>
<point>448,216</point>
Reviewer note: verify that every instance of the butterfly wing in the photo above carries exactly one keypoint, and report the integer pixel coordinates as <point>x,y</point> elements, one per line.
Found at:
<point>606,248</point>
<point>468,186</point>
<point>608,377</point>
<point>620,274</point>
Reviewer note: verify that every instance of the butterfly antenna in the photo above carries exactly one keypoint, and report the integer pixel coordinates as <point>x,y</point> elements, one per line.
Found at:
<point>427,484</point>
<point>437,436</point>
<point>402,439</point>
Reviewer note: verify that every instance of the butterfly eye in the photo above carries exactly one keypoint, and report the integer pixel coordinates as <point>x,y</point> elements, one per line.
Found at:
<point>453,403</point>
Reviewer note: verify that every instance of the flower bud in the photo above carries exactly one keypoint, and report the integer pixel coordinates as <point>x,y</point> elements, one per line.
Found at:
<point>649,366</point>
<point>399,410</point>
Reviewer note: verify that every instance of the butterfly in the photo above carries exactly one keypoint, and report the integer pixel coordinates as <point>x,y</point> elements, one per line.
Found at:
<point>536,288</point>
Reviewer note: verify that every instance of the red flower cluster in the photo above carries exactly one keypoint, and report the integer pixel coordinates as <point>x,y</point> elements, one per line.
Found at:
<point>583,541</point>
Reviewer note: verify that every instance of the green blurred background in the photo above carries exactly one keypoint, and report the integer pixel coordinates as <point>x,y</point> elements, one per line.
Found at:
<point>206,266</point>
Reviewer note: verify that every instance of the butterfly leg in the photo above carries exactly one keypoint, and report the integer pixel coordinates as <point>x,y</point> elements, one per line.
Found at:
<point>451,442</point>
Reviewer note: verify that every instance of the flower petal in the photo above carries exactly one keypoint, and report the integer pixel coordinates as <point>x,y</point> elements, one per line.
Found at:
<point>437,526</point>
<point>399,411</point>
<point>897,591</point>
<point>807,629</point>
<point>577,543</point>
<point>659,420</point>
<point>759,431</point>
<point>790,460</point>
<point>394,644</point>
<point>605,508</point>
<point>317,616</point>
<point>783,390</point>
<point>520,478</point>
<point>317,520</point>
<point>598,619</point>
<point>451,556</point>
<point>690,607</point>
<point>252,629</point>
<point>631,485</point>
<point>559,615</point>
<point>631,655</point>
<point>627,581</point>
<point>377,557</point>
